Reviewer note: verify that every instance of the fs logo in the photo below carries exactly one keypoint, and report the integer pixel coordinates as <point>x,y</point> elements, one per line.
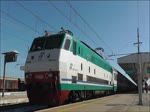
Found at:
<point>41,55</point>
<point>70,66</point>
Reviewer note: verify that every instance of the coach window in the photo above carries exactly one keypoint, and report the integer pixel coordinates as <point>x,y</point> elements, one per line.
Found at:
<point>67,44</point>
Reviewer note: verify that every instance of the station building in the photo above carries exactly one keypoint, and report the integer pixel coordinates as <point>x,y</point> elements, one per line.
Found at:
<point>131,66</point>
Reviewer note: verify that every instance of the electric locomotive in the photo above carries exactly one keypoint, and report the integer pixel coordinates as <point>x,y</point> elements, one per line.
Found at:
<point>59,68</point>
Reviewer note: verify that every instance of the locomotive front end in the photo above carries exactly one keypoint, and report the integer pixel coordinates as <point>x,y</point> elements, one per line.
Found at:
<point>42,74</point>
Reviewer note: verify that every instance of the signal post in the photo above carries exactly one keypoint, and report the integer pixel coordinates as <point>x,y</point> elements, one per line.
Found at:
<point>8,57</point>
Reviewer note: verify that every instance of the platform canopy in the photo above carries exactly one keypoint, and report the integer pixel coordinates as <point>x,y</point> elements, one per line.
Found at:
<point>130,64</point>
<point>119,69</point>
<point>133,58</point>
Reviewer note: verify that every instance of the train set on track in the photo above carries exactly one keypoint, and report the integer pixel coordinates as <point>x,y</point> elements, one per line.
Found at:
<point>59,69</point>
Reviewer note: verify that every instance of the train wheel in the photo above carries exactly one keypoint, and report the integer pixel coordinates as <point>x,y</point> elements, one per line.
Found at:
<point>85,95</point>
<point>93,94</point>
<point>106,93</point>
<point>112,92</point>
<point>82,97</point>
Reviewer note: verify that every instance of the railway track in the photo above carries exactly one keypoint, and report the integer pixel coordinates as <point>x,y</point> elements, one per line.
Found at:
<point>23,107</point>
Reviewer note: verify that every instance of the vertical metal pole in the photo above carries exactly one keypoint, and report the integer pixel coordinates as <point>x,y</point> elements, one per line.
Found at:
<point>4,77</point>
<point>140,73</point>
<point>140,80</point>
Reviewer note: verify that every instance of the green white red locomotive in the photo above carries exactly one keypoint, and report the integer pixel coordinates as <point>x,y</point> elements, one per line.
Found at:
<point>59,68</point>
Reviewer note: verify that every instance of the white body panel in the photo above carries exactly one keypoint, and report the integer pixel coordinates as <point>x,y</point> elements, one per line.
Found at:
<point>68,64</point>
<point>74,62</point>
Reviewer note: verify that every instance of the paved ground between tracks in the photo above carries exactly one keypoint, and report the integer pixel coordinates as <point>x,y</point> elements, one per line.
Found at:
<point>114,103</point>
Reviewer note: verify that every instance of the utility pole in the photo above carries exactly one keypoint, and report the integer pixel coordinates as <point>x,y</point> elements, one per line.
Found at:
<point>139,68</point>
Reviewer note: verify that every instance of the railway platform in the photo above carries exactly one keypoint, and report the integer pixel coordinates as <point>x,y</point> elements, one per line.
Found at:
<point>13,98</point>
<point>114,103</point>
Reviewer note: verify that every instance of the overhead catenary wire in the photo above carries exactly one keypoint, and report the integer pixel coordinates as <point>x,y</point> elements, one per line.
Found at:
<point>88,25</point>
<point>129,42</point>
<point>35,15</point>
<point>72,22</point>
<point>138,14</point>
<point>18,37</point>
<point>19,28</point>
<point>20,21</point>
<point>125,45</point>
<point>15,38</point>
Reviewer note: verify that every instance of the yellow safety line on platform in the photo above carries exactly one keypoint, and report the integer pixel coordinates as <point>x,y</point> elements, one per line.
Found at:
<point>72,108</point>
<point>81,105</point>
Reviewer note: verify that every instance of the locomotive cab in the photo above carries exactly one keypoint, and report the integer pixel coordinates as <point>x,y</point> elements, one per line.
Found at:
<point>43,65</point>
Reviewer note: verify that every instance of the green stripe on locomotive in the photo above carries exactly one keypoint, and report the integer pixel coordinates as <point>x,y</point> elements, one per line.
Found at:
<point>85,52</point>
<point>84,87</point>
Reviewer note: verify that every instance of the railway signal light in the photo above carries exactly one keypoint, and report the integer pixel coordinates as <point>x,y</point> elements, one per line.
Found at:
<point>9,57</point>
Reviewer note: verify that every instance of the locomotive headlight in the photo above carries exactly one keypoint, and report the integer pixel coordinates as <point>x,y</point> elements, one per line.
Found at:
<point>30,76</point>
<point>27,76</point>
<point>48,75</point>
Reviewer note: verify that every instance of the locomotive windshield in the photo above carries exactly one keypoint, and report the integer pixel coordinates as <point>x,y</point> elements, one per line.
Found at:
<point>51,42</point>
<point>38,44</point>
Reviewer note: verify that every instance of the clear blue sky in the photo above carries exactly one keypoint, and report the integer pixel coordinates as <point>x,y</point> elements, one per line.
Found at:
<point>115,22</point>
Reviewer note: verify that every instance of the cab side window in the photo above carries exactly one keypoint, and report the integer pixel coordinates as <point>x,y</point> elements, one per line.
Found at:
<point>74,47</point>
<point>67,44</point>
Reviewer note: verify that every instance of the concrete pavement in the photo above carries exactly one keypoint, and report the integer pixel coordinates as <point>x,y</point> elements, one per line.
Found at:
<point>114,103</point>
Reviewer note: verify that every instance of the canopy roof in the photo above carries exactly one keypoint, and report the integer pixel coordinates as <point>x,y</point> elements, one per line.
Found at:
<point>120,70</point>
